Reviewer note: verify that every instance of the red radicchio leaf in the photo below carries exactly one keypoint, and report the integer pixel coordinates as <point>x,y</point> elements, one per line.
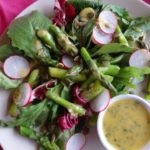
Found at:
<point>70,12</point>
<point>39,92</point>
<point>63,13</point>
<point>62,4</point>
<point>77,98</point>
<point>89,111</point>
<point>1,147</point>
<point>60,15</point>
<point>67,121</point>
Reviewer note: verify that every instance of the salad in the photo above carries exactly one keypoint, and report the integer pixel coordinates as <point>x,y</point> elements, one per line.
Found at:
<point>62,71</point>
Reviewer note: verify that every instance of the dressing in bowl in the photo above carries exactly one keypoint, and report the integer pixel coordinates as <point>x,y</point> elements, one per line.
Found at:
<point>125,124</point>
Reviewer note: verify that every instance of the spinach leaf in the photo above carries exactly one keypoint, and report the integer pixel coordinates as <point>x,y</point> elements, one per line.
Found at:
<point>22,33</point>
<point>7,83</point>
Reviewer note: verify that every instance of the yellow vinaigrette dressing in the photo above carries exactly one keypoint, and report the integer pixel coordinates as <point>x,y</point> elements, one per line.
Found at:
<point>126,125</point>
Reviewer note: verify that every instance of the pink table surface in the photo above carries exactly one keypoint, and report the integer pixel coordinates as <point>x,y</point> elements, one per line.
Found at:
<point>9,9</point>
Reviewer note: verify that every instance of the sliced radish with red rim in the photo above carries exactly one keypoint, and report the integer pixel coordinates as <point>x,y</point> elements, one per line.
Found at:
<point>16,67</point>
<point>76,142</point>
<point>107,22</point>
<point>140,58</point>
<point>101,102</point>
<point>67,61</point>
<point>99,37</point>
<point>23,94</point>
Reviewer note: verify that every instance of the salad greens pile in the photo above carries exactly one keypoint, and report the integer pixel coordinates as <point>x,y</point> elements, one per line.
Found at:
<point>60,94</point>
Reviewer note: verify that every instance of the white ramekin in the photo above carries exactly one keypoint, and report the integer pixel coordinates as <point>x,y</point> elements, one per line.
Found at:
<point>100,130</point>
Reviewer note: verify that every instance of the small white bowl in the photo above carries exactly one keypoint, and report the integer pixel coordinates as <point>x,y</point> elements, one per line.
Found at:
<point>100,130</point>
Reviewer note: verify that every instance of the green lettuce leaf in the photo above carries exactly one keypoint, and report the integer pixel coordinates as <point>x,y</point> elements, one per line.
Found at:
<point>30,116</point>
<point>5,51</point>
<point>7,83</point>
<point>22,33</point>
<point>121,12</point>
<point>138,28</point>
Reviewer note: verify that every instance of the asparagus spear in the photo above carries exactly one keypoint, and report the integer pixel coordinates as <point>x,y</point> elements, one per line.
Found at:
<point>13,110</point>
<point>41,139</point>
<point>95,70</point>
<point>147,95</point>
<point>34,77</point>
<point>92,90</point>
<point>64,41</point>
<point>74,109</point>
<point>111,70</point>
<point>62,73</point>
<point>42,54</point>
<point>47,38</point>
<point>121,36</point>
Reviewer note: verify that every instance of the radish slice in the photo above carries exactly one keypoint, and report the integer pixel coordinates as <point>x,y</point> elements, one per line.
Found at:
<point>140,58</point>
<point>76,142</point>
<point>101,102</point>
<point>67,61</point>
<point>100,37</point>
<point>94,41</point>
<point>23,94</point>
<point>107,21</point>
<point>16,67</point>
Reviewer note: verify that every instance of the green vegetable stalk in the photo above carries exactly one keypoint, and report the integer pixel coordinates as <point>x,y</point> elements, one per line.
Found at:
<point>147,95</point>
<point>74,109</point>
<point>62,74</point>
<point>95,70</point>
<point>91,90</point>
<point>43,55</point>
<point>120,35</point>
<point>13,110</point>
<point>64,41</point>
<point>47,38</point>
<point>111,70</point>
<point>41,139</point>
<point>34,77</point>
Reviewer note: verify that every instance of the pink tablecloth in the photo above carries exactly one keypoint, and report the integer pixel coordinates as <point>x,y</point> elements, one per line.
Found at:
<point>9,9</point>
<point>148,1</point>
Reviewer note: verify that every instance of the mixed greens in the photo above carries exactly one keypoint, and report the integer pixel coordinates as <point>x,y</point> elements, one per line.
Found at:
<point>59,70</point>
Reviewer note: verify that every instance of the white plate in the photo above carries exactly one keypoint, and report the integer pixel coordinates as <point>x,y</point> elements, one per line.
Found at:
<point>9,139</point>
